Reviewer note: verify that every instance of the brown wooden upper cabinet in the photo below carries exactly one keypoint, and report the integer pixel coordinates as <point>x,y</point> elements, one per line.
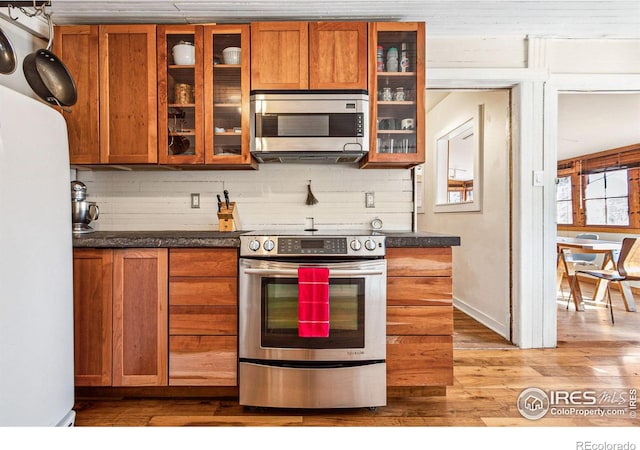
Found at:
<point>180,95</point>
<point>114,69</point>
<point>128,93</point>
<point>396,95</point>
<point>308,55</point>
<point>203,102</point>
<point>77,46</point>
<point>226,91</point>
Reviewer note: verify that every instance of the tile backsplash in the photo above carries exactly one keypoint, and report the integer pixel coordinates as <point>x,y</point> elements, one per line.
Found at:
<point>270,198</point>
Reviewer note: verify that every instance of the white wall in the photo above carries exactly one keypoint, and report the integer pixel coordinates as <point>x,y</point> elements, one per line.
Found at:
<point>481,263</point>
<point>272,197</point>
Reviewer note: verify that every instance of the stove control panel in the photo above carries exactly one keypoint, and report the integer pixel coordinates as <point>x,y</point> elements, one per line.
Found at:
<point>326,246</point>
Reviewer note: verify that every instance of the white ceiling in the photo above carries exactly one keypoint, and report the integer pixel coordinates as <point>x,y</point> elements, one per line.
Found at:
<point>559,18</point>
<point>594,122</point>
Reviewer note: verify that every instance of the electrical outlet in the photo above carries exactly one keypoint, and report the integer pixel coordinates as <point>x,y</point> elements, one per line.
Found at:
<point>195,200</point>
<point>369,200</point>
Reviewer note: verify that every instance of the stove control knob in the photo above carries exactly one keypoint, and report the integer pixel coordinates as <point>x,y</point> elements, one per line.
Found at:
<point>254,245</point>
<point>355,245</point>
<point>370,245</point>
<point>269,245</point>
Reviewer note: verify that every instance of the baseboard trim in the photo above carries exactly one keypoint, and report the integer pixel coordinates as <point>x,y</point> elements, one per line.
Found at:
<point>485,320</point>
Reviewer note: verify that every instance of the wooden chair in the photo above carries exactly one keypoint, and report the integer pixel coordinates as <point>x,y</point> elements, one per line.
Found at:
<point>581,259</point>
<point>628,268</point>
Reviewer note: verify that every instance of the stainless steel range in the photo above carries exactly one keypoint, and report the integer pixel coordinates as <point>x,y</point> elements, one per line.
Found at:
<point>281,363</point>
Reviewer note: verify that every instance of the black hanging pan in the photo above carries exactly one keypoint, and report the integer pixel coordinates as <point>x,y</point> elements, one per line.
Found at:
<point>7,55</point>
<point>48,76</point>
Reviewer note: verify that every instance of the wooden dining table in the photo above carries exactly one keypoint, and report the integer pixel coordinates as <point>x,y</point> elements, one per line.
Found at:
<point>599,246</point>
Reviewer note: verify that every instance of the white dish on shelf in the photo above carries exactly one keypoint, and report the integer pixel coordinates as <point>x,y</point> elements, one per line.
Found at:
<point>184,54</point>
<point>231,55</point>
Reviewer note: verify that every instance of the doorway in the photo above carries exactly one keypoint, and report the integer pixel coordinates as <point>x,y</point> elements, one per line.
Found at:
<point>591,122</point>
<point>481,265</point>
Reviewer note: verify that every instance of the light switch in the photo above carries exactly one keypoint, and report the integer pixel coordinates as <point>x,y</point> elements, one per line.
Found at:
<point>538,177</point>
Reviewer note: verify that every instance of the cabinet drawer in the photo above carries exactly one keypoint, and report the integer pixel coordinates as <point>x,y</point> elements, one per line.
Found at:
<point>210,320</point>
<point>197,262</point>
<point>419,291</point>
<point>420,320</point>
<point>221,291</point>
<point>203,361</point>
<point>408,262</point>
<point>419,360</point>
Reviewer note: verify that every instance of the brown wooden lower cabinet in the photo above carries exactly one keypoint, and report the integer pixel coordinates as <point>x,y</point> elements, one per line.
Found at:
<point>420,320</point>
<point>203,360</point>
<point>140,301</point>
<point>203,317</point>
<point>93,316</point>
<point>419,317</point>
<point>168,317</point>
<point>120,317</point>
<point>419,360</point>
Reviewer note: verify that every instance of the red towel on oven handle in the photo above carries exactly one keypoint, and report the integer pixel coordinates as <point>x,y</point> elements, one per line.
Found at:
<point>313,302</point>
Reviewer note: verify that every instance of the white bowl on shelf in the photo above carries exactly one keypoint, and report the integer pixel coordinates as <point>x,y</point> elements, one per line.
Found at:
<point>184,54</point>
<point>231,55</point>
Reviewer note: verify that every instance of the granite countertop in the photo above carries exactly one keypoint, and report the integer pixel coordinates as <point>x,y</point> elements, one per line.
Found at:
<point>420,239</point>
<point>178,238</point>
<point>157,239</point>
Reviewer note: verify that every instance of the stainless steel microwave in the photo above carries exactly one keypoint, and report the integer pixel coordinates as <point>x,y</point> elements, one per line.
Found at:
<point>309,126</point>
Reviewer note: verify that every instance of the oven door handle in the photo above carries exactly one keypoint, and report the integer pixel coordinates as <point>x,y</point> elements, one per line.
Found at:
<point>294,273</point>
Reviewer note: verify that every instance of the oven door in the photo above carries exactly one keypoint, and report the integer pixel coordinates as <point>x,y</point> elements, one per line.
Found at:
<point>268,312</point>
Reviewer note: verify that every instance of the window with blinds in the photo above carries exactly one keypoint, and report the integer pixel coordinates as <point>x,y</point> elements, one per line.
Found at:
<point>600,190</point>
<point>564,201</point>
<point>606,198</point>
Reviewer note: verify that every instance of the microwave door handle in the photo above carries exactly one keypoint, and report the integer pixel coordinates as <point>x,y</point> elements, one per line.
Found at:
<point>294,273</point>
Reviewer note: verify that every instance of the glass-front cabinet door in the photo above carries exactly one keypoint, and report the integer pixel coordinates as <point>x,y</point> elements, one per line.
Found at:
<point>180,94</point>
<point>396,94</point>
<point>226,93</point>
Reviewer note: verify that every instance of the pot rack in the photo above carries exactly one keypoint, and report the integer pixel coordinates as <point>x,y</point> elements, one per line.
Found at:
<point>37,6</point>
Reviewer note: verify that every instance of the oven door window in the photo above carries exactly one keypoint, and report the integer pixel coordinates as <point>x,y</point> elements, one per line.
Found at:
<point>280,314</point>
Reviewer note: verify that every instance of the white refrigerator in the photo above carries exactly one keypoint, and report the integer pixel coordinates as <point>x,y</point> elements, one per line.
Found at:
<point>36,284</point>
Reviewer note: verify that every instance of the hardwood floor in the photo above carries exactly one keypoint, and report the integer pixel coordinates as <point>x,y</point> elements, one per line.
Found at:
<point>594,323</point>
<point>489,375</point>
